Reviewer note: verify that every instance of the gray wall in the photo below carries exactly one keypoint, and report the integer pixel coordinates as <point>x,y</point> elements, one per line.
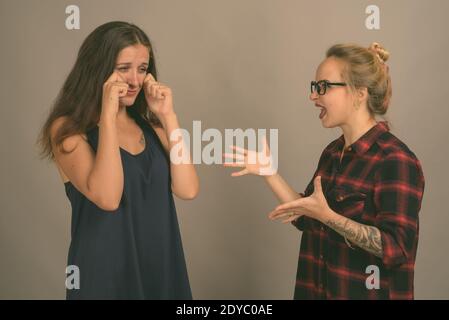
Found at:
<point>231,64</point>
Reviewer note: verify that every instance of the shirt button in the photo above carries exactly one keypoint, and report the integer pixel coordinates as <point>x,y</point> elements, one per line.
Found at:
<point>349,148</point>
<point>322,228</point>
<point>321,257</point>
<point>339,198</point>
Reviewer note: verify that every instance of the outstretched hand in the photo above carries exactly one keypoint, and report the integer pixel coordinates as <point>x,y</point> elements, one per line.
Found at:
<point>315,206</point>
<point>251,162</point>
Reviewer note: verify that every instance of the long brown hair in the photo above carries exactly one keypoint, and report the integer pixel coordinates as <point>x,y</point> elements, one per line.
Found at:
<point>79,100</point>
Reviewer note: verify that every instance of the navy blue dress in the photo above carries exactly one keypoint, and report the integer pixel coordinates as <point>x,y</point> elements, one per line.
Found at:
<point>135,252</point>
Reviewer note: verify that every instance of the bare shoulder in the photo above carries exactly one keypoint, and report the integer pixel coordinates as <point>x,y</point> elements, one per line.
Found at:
<point>68,144</point>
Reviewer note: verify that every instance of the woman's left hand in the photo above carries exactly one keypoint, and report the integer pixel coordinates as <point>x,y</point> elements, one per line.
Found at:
<point>158,96</point>
<point>315,206</point>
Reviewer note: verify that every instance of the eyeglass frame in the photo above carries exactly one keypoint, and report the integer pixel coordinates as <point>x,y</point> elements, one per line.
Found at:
<point>328,84</point>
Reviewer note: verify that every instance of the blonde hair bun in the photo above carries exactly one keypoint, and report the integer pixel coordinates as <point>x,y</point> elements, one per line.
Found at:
<point>380,51</point>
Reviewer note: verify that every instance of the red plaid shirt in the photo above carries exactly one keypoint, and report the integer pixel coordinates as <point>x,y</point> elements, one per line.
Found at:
<point>379,182</point>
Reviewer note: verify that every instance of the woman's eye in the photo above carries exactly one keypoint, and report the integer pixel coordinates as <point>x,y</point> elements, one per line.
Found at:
<point>122,69</point>
<point>143,70</point>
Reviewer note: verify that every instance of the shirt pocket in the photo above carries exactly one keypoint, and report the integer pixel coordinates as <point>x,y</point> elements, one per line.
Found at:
<point>348,202</point>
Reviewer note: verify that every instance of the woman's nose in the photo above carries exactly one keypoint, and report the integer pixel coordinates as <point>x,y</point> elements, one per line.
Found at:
<point>313,96</point>
<point>133,79</point>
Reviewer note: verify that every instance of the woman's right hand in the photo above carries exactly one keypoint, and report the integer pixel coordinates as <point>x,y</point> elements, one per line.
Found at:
<point>114,88</point>
<point>252,162</point>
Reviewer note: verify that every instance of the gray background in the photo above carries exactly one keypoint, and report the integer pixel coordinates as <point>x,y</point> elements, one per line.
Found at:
<point>231,64</point>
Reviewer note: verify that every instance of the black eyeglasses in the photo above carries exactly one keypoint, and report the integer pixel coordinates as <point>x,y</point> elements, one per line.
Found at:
<point>321,86</point>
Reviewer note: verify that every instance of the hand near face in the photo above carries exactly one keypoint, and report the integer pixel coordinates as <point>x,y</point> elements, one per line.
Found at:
<point>114,88</point>
<point>158,96</point>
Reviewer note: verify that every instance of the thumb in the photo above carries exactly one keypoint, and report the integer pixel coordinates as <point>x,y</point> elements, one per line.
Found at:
<point>149,77</point>
<point>317,185</point>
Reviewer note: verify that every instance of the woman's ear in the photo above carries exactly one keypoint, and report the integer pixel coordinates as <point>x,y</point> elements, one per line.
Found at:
<point>362,94</point>
<point>360,97</point>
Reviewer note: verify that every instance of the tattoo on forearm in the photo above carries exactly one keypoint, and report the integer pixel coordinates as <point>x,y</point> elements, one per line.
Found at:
<point>366,237</point>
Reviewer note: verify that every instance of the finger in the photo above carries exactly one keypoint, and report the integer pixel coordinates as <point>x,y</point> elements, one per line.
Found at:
<point>122,88</point>
<point>274,215</point>
<point>317,185</point>
<point>122,92</point>
<point>265,149</point>
<point>115,77</point>
<point>120,78</point>
<point>281,213</point>
<point>153,90</point>
<point>166,91</point>
<point>149,77</point>
<point>234,156</point>
<point>120,84</point>
<point>239,149</point>
<point>234,164</point>
<point>162,92</point>
<point>163,87</point>
<point>240,173</point>
<point>159,94</point>
<point>284,215</point>
<point>291,218</point>
<point>290,205</point>
<point>280,216</point>
<point>234,161</point>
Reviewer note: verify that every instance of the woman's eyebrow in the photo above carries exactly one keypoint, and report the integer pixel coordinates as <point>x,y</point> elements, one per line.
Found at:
<point>129,63</point>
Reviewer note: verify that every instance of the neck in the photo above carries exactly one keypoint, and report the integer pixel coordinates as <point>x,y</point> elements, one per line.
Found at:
<point>353,130</point>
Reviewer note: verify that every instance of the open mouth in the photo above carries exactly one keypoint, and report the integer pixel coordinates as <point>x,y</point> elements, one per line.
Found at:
<point>323,111</point>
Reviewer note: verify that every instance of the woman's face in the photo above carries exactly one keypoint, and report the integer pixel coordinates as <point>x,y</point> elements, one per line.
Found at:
<point>336,105</point>
<point>132,65</point>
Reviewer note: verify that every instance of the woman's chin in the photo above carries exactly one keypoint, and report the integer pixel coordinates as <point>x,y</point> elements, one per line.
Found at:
<point>127,102</point>
<point>327,124</point>
<point>324,122</point>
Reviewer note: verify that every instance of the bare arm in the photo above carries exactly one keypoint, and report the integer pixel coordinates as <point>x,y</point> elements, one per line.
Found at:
<point>185,182</point>
<point>316,207</point>
<point>241,159</point>
<point>159,97</point>
<point>106,177</point>
<point>97,176</point>
<point>281,189</point>
<point>364,236</point>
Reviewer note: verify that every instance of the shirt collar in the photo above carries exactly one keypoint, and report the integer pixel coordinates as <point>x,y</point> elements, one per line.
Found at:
<point>365,142</point>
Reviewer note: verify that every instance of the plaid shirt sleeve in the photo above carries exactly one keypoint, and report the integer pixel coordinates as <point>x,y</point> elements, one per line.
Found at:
<point>398,193</point>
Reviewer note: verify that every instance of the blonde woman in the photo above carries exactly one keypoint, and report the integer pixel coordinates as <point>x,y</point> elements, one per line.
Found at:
<point>359,213</point>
